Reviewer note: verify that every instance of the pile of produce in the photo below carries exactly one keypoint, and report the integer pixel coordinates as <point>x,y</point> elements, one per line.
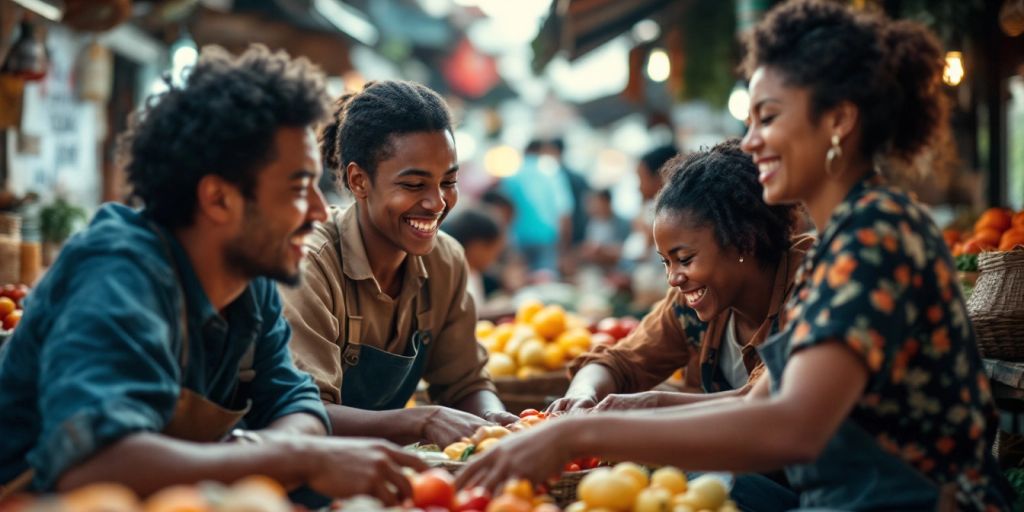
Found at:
<point>434,491</point>
<point>11,297</point>
<point>486,437</point>
<point>997,229</point>
<point>543,338</point>
<point>627,487</point>
<point>252,494</point>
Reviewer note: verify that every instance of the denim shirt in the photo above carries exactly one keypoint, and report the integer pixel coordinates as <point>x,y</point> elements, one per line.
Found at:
<point>96,356</point>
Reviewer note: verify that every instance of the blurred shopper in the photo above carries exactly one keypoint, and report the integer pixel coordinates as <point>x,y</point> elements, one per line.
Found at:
<point>482,238</point>
<point>606,231</point>
<point>158,331</point>
<point>877,399</point>
<point>543,205</point>
<point>638,256</point>
<point>385,301</point>
<point>580,190</point>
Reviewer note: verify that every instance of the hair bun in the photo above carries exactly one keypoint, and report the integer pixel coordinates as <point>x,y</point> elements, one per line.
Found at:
<point>914,61</point>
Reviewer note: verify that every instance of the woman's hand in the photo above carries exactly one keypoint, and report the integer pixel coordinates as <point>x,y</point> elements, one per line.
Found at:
<point>616,402</point>
<point>572,403</point>
<point>503,418</point>
<point>536,455</point>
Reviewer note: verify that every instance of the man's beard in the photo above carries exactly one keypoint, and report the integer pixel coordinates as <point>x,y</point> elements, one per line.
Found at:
<point>257,252</point>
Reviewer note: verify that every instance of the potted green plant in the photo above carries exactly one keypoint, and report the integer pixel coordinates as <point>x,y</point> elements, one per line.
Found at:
<point>57,221</point>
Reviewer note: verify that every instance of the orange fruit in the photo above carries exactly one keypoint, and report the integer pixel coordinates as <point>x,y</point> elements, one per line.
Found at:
<point>1018,220</point>
<point>999,219</point>
<point>951,236</point>
<point>100,497</point>
<point>988,236</point>
<point>509,503</point>
<point>527,309</point>
<point>6,306</point>
<point>1011,239</point>
<point>178,498</point>
<point>972,246</point>
<point>549,322</point>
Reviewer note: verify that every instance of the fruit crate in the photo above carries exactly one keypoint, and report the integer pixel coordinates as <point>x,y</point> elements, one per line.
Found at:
<point>550,383</point>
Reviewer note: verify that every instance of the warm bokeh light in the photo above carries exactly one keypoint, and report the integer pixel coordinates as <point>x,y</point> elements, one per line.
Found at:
<point>954,72</point>
<point>502,161</point>
<point>658,65</point>
<point>739,102</point>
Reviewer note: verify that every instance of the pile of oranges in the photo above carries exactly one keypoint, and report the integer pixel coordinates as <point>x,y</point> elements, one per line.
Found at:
<point>542,338</point>
<point>250,494</point>
<point>997,229</point>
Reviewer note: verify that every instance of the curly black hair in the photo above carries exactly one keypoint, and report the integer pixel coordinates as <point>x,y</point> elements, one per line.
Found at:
<point>891,70</point>
<point>221,121</point>
<point>718,187</point>
<point>362,124</point>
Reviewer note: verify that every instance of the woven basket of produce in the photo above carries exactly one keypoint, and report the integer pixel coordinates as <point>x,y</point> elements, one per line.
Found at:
<point>996,305</point>
<point>564,490</point>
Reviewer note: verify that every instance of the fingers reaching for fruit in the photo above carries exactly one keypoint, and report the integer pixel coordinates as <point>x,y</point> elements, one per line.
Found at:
<point>503,418</point>
<point>568,404</point>
<point>534,455</point>
<point>443,425</point>
<point>348,466</point>
<point>616,402</point>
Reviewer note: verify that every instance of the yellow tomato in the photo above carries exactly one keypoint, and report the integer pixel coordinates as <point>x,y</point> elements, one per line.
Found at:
<point>518,487</point>
<point>486,444</point>
<point>653,499</point>
<point>669,478</point>
<point>576,506</point>
<point>531,353</point>
<point>503,333</point>
<point>554,356</point>
<point>500,365</point>
<point>634,471</point>
<point>574,338</point>
<point>484,328</point>
<point>454,451</point>
<point>707,492</point>
<point>604,489</point>
<point>528,309</point>
<point>549,322</point>
<point>529,372</point>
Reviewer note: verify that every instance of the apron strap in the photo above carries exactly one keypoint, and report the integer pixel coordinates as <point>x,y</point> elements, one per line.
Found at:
<point>18,484</point>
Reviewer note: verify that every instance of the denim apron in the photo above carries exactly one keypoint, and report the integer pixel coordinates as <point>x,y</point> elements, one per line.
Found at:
<point>853,472</point>
<point>375,379</point>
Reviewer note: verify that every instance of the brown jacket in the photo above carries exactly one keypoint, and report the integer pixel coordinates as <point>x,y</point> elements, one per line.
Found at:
<point>316,310</point>
<point>671,337</point>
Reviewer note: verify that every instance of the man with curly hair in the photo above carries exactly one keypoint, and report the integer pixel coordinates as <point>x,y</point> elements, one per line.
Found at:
<point>159,331</point>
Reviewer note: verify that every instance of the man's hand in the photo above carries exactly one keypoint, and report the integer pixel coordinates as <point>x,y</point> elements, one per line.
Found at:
<point>341,467</point>
<point>444,425</point>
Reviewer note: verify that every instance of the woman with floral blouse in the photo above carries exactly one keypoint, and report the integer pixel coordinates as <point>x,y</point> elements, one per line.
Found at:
<point>877,399</point>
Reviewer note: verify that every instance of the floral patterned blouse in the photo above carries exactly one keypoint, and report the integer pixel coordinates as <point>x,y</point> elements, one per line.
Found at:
<point>882,281</point>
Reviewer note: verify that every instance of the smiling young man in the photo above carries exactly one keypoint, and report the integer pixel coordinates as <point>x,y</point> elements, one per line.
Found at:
<point>384,302</point>
<point>158,331</point>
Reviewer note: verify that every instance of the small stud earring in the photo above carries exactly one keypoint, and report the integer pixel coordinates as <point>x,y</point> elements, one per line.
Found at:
<point>741,259</point>
<point>834,152</point>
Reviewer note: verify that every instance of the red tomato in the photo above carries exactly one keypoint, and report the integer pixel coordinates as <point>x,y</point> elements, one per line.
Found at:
<point>628,324</point>
<point>608,325</point>
<point>529,412</point>
<point>476,498</point>
<point>602,338</point>
<point>589,462</point>
<point>12,319</point>
<point>433,488</point>
<point>19,292</point>
<point>572,466</point>
<point>7,290</point>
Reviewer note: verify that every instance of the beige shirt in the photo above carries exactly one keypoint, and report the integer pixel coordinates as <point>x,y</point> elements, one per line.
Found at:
<point>434,285</point>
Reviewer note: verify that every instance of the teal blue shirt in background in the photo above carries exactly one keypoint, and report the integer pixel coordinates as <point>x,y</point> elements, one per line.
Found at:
<point>96,356</point>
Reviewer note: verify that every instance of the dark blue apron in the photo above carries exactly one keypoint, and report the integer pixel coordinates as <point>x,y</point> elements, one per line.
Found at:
<point>853,472</point>
<point>375,379</point>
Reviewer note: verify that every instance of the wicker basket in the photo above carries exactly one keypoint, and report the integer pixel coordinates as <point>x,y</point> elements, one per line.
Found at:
<point>996,306</point>
<point>564,490</point>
